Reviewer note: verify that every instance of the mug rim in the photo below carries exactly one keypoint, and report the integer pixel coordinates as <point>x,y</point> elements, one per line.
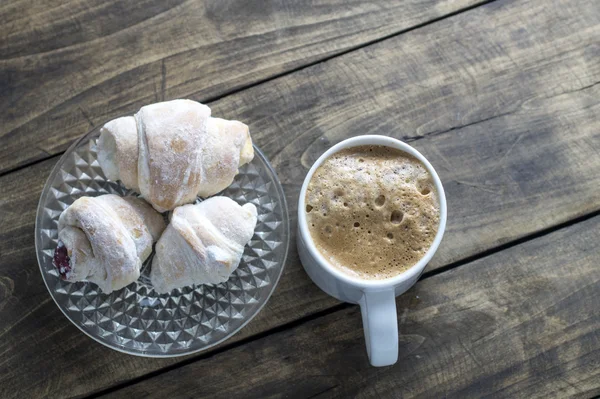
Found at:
<point>418,267</point>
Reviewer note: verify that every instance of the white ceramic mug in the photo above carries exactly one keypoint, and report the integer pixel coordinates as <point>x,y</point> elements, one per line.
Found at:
<point>377,298</point>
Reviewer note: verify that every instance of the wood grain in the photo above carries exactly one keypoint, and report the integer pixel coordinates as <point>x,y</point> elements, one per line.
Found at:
<point>522,323</point>
<point>508,119</point>
<point>68,66</point>
<point>487,96</point>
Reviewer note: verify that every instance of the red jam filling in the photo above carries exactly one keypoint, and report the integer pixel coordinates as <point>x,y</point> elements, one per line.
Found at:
<point>61,260</point>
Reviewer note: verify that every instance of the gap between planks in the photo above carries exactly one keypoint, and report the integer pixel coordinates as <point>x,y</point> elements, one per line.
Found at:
<point>342,306</point>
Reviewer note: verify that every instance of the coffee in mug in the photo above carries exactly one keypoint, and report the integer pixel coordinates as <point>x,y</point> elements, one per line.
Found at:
<point>372,211</point>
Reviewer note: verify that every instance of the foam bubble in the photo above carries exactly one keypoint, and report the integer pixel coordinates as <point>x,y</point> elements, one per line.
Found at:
<point>396,217</point>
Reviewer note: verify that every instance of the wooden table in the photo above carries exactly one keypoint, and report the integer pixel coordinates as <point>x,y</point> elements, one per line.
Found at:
<point>502,96</point>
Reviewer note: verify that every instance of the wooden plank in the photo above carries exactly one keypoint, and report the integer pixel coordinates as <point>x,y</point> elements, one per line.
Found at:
<point>68,66</point>
<point>523,323</point>
<point>556,126</point>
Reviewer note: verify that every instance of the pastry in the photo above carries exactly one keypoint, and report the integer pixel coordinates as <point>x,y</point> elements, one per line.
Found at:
<point>174,151</point>
<point>105,240</point>
<point>203,243</point>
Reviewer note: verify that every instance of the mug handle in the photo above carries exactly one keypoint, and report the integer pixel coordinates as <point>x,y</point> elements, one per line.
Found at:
<point>380,324</point>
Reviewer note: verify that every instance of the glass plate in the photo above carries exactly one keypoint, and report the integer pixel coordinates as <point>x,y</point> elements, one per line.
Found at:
<point>137,320</point>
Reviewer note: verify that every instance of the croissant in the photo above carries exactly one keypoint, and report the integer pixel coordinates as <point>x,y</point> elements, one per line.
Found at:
<point>203,244</point>
<point>105,240</point>
<point>173,151</point>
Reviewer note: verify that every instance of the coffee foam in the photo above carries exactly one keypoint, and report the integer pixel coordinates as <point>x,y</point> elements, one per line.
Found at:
<point>372,211</point>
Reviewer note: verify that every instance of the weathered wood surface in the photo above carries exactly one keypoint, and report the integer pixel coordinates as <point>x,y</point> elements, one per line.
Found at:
<point>521,323</point>
<point>486,167</point>
<point>66,66</point>
<point>508,119</point>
